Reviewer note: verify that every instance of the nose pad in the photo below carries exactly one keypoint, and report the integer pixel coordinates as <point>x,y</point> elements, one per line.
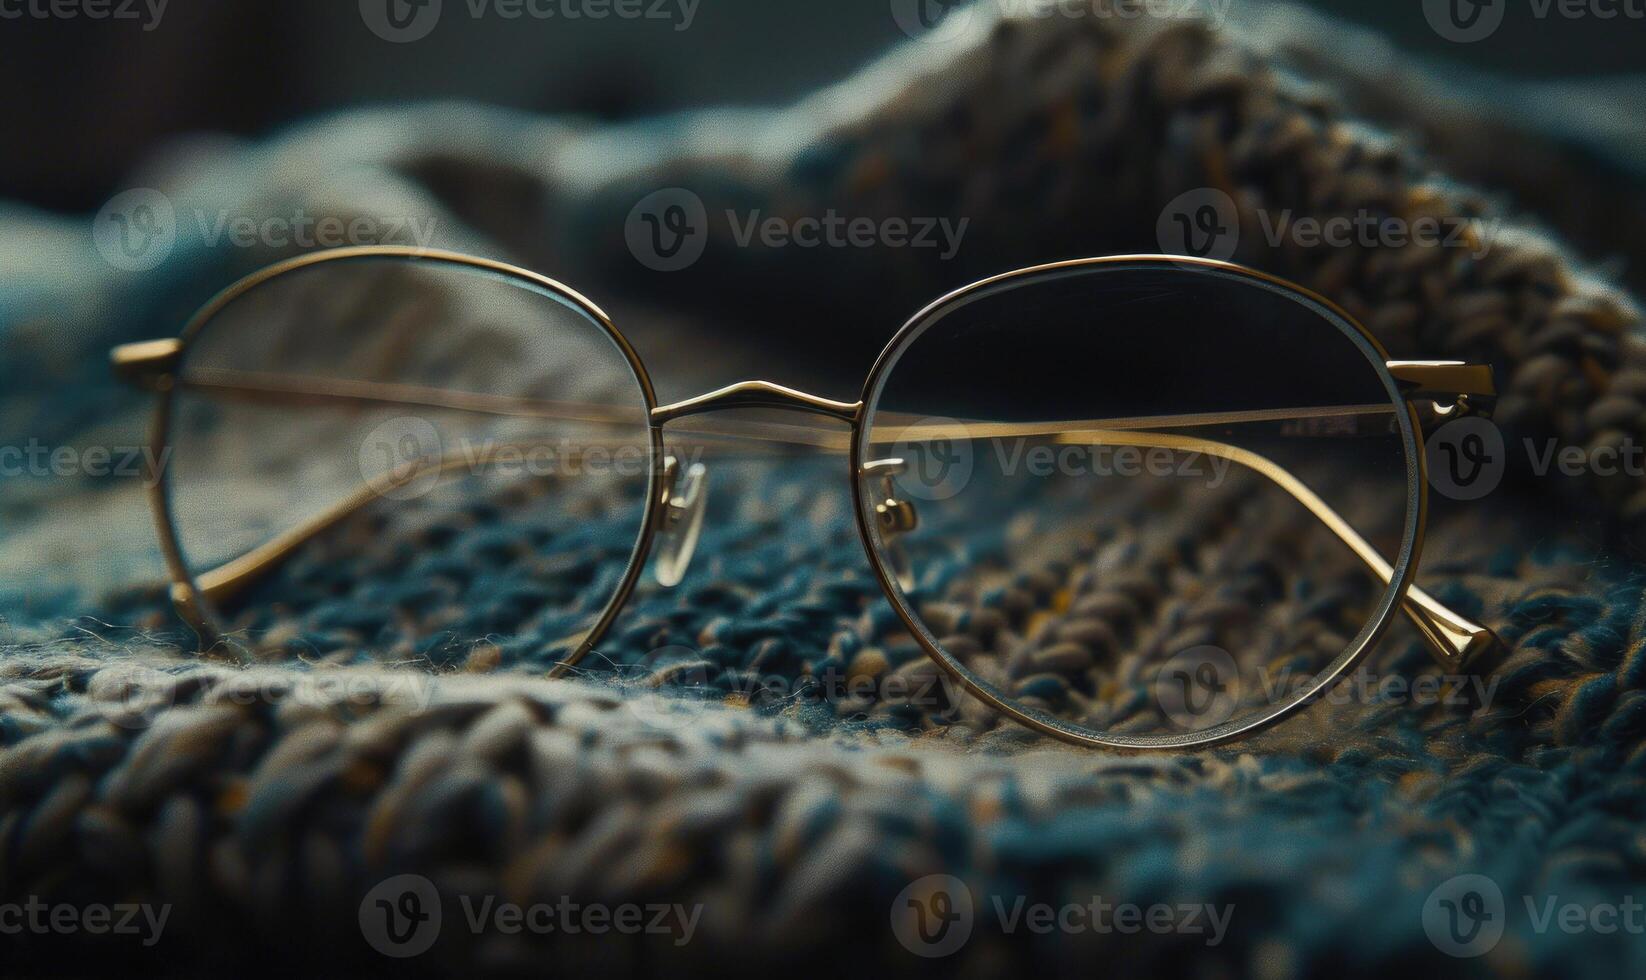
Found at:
<point>685,494</point>
<point>894,516</point>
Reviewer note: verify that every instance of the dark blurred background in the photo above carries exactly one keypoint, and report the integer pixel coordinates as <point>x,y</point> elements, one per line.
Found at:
<point>89,98</point>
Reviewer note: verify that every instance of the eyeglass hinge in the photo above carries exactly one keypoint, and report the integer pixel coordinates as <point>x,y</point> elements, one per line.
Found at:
<point>1456,387</point>
<point>148,363</point>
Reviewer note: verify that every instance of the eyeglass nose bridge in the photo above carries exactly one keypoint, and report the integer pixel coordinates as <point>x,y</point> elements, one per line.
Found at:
<point>758,394</point>
<point>682,501</point>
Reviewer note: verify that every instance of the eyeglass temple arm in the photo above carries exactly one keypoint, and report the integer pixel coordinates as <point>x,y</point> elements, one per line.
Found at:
<point>223,583</point>
<point>1455,641</point>
<point>226,581</point>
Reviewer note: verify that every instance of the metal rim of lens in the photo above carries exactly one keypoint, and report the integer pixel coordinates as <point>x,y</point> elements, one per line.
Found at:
<point>202,617</point>
<point>1405,565</point>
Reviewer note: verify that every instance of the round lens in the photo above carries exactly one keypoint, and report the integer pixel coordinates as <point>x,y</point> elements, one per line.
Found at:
<point>425,455</point>
<point>1139,503</point>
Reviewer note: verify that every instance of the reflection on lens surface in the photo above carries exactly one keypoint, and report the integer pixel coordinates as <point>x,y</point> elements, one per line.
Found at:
<point>1125,479</point>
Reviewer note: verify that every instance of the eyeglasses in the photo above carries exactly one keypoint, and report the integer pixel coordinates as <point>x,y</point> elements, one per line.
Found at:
<point>1136,502</point>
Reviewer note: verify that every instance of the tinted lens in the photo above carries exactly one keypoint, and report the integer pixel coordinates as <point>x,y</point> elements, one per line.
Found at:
<point>1116,489</point>
<point>416,454</point>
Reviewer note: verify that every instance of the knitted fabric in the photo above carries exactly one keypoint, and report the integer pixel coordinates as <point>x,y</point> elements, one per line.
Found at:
<point>263,801</point>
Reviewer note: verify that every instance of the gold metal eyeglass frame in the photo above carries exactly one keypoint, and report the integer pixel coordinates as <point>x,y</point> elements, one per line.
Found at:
<point>1448,388</point>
